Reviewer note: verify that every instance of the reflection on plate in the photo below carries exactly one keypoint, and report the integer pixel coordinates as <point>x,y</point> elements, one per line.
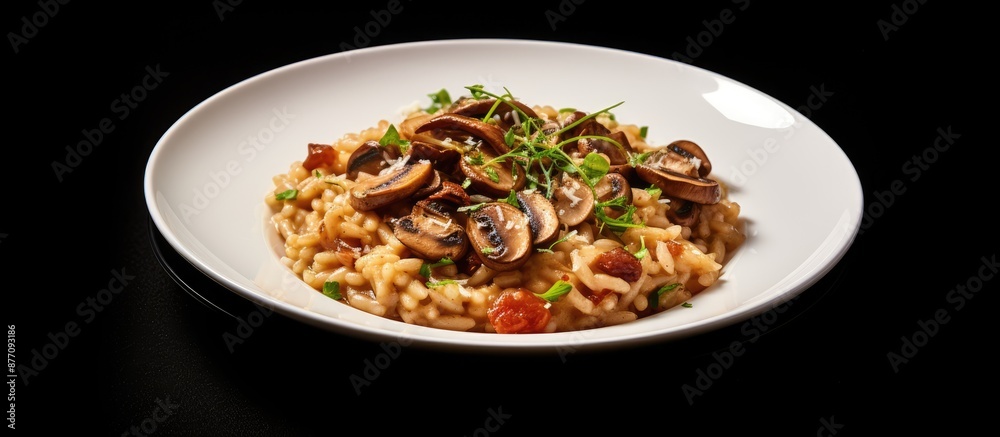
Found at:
<point>798,192</point>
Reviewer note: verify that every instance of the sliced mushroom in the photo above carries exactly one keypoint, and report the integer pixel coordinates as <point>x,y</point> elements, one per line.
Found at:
<point>500,235</point>
<point>369,158</point>
<point>451,192</point>
<point>504,112</point>
<point>674,184</point>
<point>618,154</point>
<point>431,236</point>
<point>492,179</point>
<point>408,127</point>
<point>491,133</point>
<point>683,212</point>
<point>431,187</point>
<point>573,200</point>
<point>667,159</point>
<point>694,153</point>
<point>443,158</point>
<point>435,208</point>
<point>542,217</point>
<point>384,189</point>
<point>613,186</point>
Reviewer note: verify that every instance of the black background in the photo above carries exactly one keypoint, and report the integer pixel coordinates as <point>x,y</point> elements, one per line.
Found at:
<point>822,366</point>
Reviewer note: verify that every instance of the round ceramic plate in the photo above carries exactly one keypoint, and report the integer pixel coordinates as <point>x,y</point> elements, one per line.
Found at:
<point>206,178</point>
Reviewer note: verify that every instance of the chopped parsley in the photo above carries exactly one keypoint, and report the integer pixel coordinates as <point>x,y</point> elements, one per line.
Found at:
<point>642,252</point>
<point>433,284</point>
<point>331,289</point>
<point>654,298</point>
<point>287,195</point>
<point>556,290</point>
<point>568,235</point>
<point>425,268</point>
<point>392,138</point>
<point>439,100</point>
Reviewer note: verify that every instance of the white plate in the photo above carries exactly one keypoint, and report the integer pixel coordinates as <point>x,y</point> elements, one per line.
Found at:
<point>798,192</point>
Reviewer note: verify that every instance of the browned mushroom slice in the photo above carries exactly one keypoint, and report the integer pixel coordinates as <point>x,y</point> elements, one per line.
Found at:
<point>694,153</point>
<point>368,158</point>
<point>573,200</point>
<point>550,127</point>
<point>432,186</point>
<point>490,133</point>
<point>667,159</point>
<point>610,187</point>
<point>393,186</point>
<point>500,235</point>
<point>505,111</point>
<point>371,157</point>
<point>479,107</point>
<point>618,154</point>
<point>451,192</point>
<point>492,179</point>
<point>584,127</point>
<point>542,217</point>
<point>673,184</point>
<point>435,208</point>
<point>430,236</point>
<point>443,158</point>
<point>683,212</point>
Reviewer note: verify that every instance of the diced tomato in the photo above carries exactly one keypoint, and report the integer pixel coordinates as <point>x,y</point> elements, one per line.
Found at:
<point>674,248</point>
<point>518,311</point>
<point>619,263</point>
<point>320,155</point>
<point>597,296</point>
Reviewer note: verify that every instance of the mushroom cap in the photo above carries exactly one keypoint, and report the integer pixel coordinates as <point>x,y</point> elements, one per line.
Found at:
<point>683,212</point>
<point>693,152</point>
<point>616,155</point>
<point>504,111</point>
<point>431,236</point>
<point>573,200</point>
<point>542,217</point>
<point>613,186</point>
<point>443,158</point>
<point>496,180</point>
<point>475,127</point>
<point>500,235</point>
<point>369,158</point>
<point>673,184</point>
<point>390,187</point>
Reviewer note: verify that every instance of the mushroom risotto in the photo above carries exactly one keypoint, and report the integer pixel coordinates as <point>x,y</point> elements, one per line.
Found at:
<point>487,214</point>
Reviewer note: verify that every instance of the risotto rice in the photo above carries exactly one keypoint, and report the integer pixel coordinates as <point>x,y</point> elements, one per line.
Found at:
<point>490,215</point>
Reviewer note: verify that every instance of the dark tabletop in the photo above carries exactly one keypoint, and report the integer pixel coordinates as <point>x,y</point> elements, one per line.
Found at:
<point>109,340</point>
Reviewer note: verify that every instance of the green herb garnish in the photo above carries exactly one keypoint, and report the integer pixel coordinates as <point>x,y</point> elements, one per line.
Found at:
<point>287,195</point>
<point>425,268</point>
<point>392,138</point>
<point>556,290</point>
<point>654,298</point>
<point>331,289</point>
<point>642,252</point>
<point>439,100</point>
